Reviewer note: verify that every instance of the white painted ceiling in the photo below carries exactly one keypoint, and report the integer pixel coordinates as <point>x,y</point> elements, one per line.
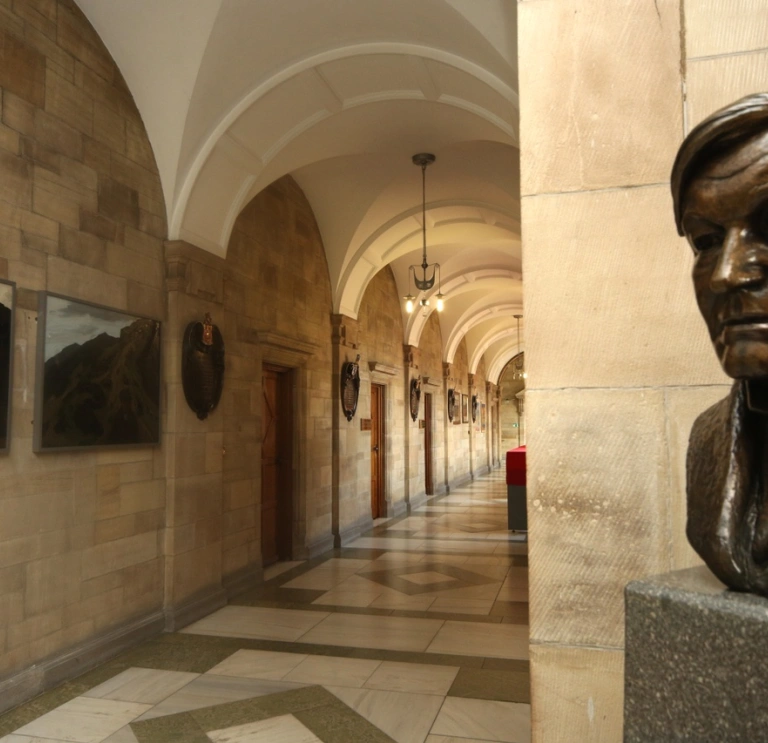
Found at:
<point>340,94</point>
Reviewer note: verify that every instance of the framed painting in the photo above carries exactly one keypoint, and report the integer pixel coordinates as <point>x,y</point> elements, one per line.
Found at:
<point>97,377</point>
<point>465,408</point>
<point>7,307</point>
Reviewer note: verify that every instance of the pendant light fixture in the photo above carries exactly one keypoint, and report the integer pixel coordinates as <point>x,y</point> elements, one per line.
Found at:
<point>423,284</point>
<point>519,362</point>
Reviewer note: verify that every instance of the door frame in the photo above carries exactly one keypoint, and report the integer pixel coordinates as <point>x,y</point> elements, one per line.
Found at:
<point>286,393</point>
<point>382,500</point>
<point>429,461</point>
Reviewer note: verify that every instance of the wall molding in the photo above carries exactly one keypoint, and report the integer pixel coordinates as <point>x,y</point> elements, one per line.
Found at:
<point>242,580</point>
<point>195,607</point>
<point>352,532</point>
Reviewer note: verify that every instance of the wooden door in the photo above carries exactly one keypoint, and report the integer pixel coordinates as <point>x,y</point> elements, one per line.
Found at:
<point>377,451</point>
<point>276,465</point>
<point>428,481</point>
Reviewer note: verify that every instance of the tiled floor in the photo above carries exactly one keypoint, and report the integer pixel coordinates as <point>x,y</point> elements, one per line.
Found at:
<point>415,633</point>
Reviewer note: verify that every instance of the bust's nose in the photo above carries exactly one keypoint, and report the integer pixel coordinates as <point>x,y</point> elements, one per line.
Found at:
<point>743,261</point>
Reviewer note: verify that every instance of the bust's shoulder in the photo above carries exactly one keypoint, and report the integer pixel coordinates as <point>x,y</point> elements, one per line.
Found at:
<point>715,419</point>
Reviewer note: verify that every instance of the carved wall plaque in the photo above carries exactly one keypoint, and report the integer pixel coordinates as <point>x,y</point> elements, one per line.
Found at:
<point>451,404</point>
<point>415,398</point>
<point>202,366</point>
<point>475,405</point>
<point>350,387</point>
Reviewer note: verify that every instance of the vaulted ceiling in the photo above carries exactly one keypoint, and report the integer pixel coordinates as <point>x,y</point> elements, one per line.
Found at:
<point>340,94</point>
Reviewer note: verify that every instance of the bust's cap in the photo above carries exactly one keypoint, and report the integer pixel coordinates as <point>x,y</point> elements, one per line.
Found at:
<point>718,132</point>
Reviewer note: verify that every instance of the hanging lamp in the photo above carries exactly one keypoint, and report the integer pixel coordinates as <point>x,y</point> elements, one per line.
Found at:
<point>425,283</point>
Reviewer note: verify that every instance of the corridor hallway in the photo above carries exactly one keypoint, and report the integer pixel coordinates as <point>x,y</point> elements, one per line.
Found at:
<point>417,631</point>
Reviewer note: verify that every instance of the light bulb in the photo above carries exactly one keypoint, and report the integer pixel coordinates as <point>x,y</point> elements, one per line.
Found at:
<point>440,303</point>
<point>409,305</point>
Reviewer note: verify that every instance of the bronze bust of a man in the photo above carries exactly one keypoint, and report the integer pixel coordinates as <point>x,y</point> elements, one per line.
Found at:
<point>720,193</point>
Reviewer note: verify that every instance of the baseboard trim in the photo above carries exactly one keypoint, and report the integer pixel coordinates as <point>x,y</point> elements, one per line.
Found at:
<point>195,607</point>
<point>242,581</point>
<point>459,481</point>
<point>416,501</point>
<point>52,671</point>
<point>480,471</point>
<point>318,547</point>
<point>352,532</point>
<point>397,509</point>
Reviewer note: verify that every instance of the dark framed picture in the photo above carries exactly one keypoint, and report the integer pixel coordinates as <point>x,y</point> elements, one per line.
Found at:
<point>7,305</point>
<point>465,408</point>
<point>97,377</point>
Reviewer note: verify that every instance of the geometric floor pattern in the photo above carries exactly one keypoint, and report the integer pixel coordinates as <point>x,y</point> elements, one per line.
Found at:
<point>415,633</point>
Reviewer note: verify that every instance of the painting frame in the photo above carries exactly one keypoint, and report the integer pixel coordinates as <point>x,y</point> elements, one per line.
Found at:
<point>85,343</point>
<point>7,325</point>
<point>464,408</point>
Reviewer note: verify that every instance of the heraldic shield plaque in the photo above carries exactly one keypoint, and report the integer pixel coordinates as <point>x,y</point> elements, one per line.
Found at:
<point>350,387</point>
<point>202,366</point>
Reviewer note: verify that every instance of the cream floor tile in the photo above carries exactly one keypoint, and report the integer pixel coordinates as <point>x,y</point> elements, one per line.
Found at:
<point>489,640</point>
<point>281,567</point>
<point>427,577</point>
<point>26,739</point>
<point>488,591</point>
<point>124,735</point>
<point>463,606</point>
<point>445,559</point>
<point>319,579</point>
<point>142,685</point>
<point>258,664</point>
<point>283,729</point>
<point>396,600</point>
<point>405,717</point>
<point>492,560</point>
<point>321,669</point>
<point>459,545</point>
<point>338,597</point>
<point>512,594</point>
<point>257,623</point>
<point>207,691</point>
<point>385,633</point>
<point>412,677</point>
<point>516,578</point>
<point>84,720</point>
<point>396,558</point>
<point>452,739</point>
<point>485,720</point>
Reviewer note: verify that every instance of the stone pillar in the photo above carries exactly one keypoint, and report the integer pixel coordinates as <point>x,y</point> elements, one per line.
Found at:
<point>607,436</point>
<point>414,437</point>
<point>346,511</point>
<point>194,448</point>
<point>491,454</point>
<point>447,378</point>
<point>472,455</point>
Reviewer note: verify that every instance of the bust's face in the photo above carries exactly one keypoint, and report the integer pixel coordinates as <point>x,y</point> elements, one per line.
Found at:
<point>725,218</point>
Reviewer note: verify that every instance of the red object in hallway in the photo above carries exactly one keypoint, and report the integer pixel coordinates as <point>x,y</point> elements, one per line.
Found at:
<point>516,466</point>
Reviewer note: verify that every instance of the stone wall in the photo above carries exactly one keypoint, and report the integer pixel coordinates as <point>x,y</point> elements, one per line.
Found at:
<point>480,439</point>
<point>380,341</point>
<point>512,422</point>
<point>458,434</point>
<point>606,492</point>
<point>81,214</point>
<point>431,367</point>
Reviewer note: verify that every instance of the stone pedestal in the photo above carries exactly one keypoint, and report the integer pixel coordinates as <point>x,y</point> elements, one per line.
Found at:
<point>696,661</point>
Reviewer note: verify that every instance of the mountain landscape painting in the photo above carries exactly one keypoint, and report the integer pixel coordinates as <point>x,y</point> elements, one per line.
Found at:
<point>98,377</point>
<point>6,344</point>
